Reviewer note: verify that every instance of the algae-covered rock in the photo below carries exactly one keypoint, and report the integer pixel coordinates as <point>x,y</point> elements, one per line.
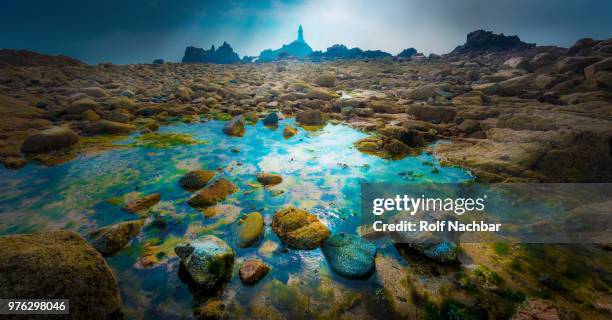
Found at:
<point>289,131</point>
<point>52,139</point>
<point>249,230</point>
<point>268,179</point>
<point>350,255</point>
<point>213,193</point>
<point>271,119</point>
<point>208,260</point>
<point>384,147</point>
<point>109,240</point>
<point>299,229</point>
<point>59,265</point>
<point>311,118</point>
<point>212,309</point>
<point>196,179</point>
<point>165,140</point>
<point>143,203</point>
<point>253,270</point>
<point>235,127</point>
<point>108,127</point>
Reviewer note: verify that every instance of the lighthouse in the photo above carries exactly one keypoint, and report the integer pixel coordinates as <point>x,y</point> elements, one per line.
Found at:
<point>300,34</point>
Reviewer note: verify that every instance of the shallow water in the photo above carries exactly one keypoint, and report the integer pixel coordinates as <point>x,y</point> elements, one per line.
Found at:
<point>322,173</point>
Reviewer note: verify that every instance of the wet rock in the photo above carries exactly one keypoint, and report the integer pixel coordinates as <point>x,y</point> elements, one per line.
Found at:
<point>271,120</point>
<point>108,127</point>
<point>249,230</point>
<point>81,105</point>
<point>253,270</point>
<point>55,138</point>
<point>311,118</point>
<point>196,179</point>
<point>59,265</point>
<point>384,147</point>
<point>213,193</point>
<point>299,229</point>
<point>430,113</point>
<point>109,240</point>
<point>350,255</point>
<point>269,179</point>
<point>208,260</point>
<point>537,309</point>
<point>143,203</point>
<point>289,131</point>
<point>234,127</point>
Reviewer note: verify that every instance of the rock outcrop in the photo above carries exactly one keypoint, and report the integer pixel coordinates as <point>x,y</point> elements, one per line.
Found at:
<point>223,55</point>
<point>487,41</point>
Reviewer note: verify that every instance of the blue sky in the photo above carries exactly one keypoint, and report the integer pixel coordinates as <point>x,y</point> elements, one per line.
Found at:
<point>132,31</point>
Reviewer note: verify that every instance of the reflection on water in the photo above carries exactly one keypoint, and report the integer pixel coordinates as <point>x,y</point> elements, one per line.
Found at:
<point>322,172</point>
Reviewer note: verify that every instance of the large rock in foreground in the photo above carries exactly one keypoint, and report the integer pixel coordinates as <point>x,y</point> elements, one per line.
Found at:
<point>350,255</point>
<point>208,260</point>
<point>253,270</point>
<point>299,229</point>
<point>55,138</point>
<point>109,240</point>
<point>249,230</point>
<point>234,127</point>
<point>196,179</point>
<point>59,265</point>
<point>213,193</point>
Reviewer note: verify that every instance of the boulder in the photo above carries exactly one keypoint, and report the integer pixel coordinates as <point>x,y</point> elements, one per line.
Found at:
<point>52,139</point>
<point>143,203</point>
<point>253,270</point>
<point>234,127</point>
<point>420,93</point>
<point>59,265</point>
<point>289,131</point>
<point>109,240</point>
<point>249,230</point>
<point>208,260</point>
<point>95,92</point>
<point>271,120</point>
<point>349,255</point>
<point>90,115</point>
<point>213,193</point>
<point>299,229</point>
<point>383,146</point>
<point>108,127</point>
<point>319,94</point>
<point>81,105</point>
<point>430,113</point>
<point>196,179</point>
<point>268,179</point>
<point>574,64</point>
<point>311,118</point>
<point>120,115</point>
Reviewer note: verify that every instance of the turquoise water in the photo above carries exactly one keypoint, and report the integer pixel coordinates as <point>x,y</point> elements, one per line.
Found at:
<point>322,173</point>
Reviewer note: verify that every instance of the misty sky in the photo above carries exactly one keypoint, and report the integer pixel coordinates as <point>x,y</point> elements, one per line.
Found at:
<point>133,31</point>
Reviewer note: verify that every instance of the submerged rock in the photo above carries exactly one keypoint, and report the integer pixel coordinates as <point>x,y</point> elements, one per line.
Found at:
<point>213,193</point>
<point>143,203</point>
<point>235,127</point>
<point>268,179</point>
<point>299,229</point>
<point>59,265</point>
<point>108,127</point>
<point>52,139</point>
<point>271,119</point>
<point>212,309</point>
<point>311,118</point>
<point>208,260</point>
<point>196,179</point>
<point>249,230</point>
<point>109,240</point>
<point>289,131</point>
<point>253,270</point>
<point>350,255</point>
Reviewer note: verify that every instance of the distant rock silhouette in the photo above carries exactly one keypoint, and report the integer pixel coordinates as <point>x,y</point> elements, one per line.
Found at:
<point>407,53</point>
<point>223,55</point>
<point>25,58</point>
<point>340,52</point>
<point>481,40</point>
<point>158,61</point>
<point>298,49</point>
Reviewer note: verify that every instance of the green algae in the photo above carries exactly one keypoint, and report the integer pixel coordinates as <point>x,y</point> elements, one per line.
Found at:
<point>165,140</point>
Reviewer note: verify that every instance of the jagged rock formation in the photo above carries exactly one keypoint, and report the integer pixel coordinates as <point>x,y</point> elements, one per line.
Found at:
<point>25,58</point>
<point>407,53</point>
<point>481,40</point>
<point>298,48</point>
<point>223,55</point>
<point>340,52</point>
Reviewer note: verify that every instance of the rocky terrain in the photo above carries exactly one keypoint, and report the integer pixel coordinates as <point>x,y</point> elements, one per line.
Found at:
<point>505,110</point>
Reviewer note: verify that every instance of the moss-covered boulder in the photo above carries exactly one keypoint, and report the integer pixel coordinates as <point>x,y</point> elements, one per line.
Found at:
<point>253,270</point>
<point>299,229</point>
<point>384,147</point>
<point>234,127</point>
<point>108,127</point>
<point>55,138</point>
<point>196,179</point>
<point>109,240</point>
<point>349,255</point>
<point>208,260</point>
<point>59,265</point>
<point>289,132</point>
<point>213,193</point>
<point>268,179</point>
<point>143,203</point>
<point>249,230</point>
